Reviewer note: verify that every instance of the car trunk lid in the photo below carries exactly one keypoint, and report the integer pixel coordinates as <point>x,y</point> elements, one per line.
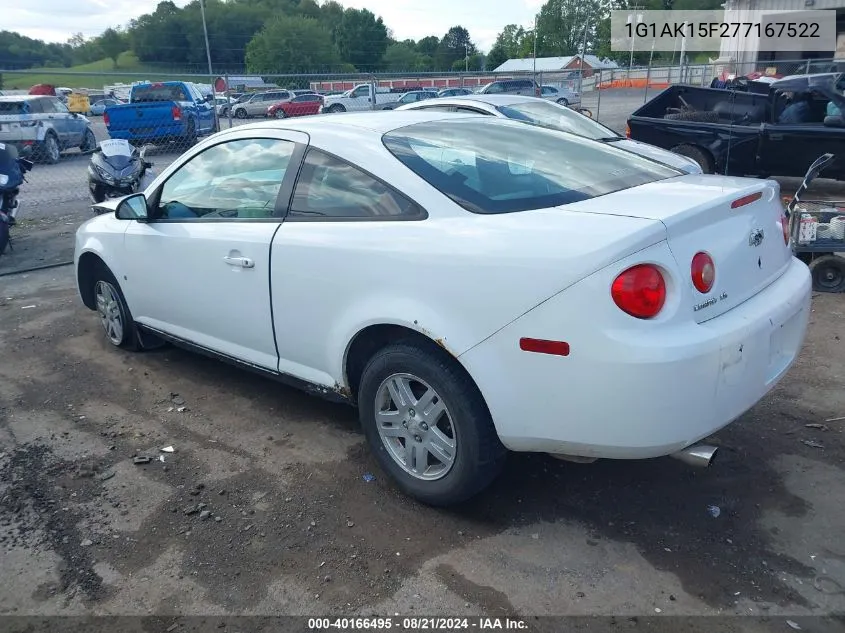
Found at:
<point>737,221</point>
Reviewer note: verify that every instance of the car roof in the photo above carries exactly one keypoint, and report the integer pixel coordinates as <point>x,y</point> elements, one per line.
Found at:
<point>13,98</point>
<point>379,121</point>
<point>491,100</point>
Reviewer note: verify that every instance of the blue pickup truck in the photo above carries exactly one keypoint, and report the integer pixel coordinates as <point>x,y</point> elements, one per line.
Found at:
<point>170,111</point>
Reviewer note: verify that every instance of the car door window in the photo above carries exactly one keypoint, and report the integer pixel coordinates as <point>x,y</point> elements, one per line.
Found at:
<point>362,91</point>
<point>495,88</point>
<point>237,180</point>
<point>330,188</point>
<point>468,110</point>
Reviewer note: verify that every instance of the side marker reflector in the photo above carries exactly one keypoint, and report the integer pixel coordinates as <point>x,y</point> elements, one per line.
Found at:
<point>557,348</point>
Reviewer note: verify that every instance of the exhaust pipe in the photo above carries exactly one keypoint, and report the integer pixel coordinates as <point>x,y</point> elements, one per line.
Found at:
<point>698,455</point>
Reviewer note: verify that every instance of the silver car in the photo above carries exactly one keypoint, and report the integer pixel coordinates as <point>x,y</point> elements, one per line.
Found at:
<point>42,125</point>
<point>258,103</point>
<point>563,96</point>
<point>536,111</point>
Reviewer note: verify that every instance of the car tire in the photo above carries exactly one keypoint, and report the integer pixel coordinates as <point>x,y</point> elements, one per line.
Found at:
<point>563,101</point>
<point>280,114</point>
<point>697,116</point>
<point>191,134</point>
<point>336,108</point>
<point>699,155</point>
<point>49,150</point>
<point>467,465</point>
<point>4,236</point>
<point>114,314</point>
<point>89,141</point>
<point>828,273</point>
<point>240,113</point>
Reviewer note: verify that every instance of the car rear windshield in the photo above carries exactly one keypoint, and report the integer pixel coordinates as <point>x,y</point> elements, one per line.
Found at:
<point>14,107</point>
<point>145,94</point>
<point>556,117</point>
<point>500,166</point>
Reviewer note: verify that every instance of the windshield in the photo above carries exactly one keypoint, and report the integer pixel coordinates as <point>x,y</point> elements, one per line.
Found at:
<point>556,117</point>
<point>141,94</point>
<point>116,147</point>
<point>498,166</point>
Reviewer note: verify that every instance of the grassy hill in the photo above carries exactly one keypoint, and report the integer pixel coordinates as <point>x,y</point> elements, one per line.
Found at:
<point>93,75</point>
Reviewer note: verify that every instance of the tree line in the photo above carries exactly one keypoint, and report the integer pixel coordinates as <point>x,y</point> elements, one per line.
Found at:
<point>301,36</point>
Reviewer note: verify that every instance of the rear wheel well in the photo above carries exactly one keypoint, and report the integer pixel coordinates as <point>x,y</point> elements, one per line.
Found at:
<point>375,337</point>
<point>86,272</point>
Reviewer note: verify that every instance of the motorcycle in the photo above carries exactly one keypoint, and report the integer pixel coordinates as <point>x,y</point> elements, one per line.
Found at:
<point>12,170</point>
<point>117,169</point>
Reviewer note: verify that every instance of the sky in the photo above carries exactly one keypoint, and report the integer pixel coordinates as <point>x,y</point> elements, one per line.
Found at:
<point>57,20</point>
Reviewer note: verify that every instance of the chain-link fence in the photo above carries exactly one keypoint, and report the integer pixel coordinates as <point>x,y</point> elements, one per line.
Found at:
<point>170,111</point>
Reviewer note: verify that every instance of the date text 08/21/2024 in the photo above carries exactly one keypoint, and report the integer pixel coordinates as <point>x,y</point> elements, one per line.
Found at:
<point>416,623</point>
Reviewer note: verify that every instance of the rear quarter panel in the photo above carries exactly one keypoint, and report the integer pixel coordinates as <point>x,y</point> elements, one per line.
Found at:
<point>456,277</point>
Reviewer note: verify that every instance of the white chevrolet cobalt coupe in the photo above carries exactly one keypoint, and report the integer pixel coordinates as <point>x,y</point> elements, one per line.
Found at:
<point>472,284</point>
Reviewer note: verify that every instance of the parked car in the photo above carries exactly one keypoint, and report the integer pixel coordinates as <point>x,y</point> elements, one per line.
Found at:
<point>540,112</point>
<point>98,108</point>
<point>539,272</point>
<point>563,96</point>
<point>749,134</point>
<point>257,103</point>
<point>43,127</point>
<point>302,105</point>
<point>160,113</point>
<point>526,87</point>
<point>410,97</point>
<point>361,97</point>
<point>454,92</point>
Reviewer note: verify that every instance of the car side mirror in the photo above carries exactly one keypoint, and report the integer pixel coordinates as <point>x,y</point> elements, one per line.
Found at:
<point>132,207</point>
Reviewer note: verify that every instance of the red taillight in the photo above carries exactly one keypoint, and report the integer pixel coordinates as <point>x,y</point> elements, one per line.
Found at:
<point>703,272</point>
<point>106,119</point>
<point>177,113</point>
<point>741,202</point>
<point>640,291</point>
<point>627,131</point>
<point>784,225</point>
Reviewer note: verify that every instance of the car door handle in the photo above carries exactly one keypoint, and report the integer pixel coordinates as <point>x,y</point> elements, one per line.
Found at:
<point>243,262</point>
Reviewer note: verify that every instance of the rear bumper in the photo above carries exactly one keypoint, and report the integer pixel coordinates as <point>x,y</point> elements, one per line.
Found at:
<point>641,392</point>
<point>150,132</point>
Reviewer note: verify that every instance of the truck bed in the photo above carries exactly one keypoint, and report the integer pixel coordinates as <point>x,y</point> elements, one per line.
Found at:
<point>723,106</point>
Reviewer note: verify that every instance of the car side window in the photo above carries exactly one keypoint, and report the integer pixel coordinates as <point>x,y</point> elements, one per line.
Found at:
<point>36,106</point>
<point>362,91</point>
<point>494,88</point>
<point>236,180</point>
<point>329,187</point>
<point>468,110</point>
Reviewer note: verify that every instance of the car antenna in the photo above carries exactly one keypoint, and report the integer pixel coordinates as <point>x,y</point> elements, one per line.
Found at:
<point>730,129</point>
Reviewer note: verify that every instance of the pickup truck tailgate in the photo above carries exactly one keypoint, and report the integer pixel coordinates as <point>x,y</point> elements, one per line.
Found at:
<point>737,221</point>
<point>141,116</point>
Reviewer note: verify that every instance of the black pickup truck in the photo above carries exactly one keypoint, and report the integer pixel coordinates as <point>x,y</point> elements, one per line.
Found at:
<point>745,133</point>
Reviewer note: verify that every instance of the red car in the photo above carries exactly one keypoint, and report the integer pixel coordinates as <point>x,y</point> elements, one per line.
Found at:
<point>298,106</point>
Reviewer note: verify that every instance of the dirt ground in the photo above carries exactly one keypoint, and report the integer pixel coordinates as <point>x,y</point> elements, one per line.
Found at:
<point>263,507</point>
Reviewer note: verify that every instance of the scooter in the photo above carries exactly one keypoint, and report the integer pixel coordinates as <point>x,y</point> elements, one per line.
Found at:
<point>12,170</point>
<point>117,169</point>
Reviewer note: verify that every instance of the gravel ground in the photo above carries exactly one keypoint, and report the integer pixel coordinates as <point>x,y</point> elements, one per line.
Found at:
<point>263,508</point>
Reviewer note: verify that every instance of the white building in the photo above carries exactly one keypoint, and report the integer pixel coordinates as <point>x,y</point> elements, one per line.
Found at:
<point>749,10</point>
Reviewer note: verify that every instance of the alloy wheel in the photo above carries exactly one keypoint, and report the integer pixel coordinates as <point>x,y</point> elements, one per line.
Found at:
<point>415,426</point>
<point>108,309</point>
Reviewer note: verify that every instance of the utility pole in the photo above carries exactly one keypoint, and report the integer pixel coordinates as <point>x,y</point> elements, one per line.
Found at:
<point>466,57</point>
<point>535,52</point>
<point>583,55</point>
<point>208,57</point>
